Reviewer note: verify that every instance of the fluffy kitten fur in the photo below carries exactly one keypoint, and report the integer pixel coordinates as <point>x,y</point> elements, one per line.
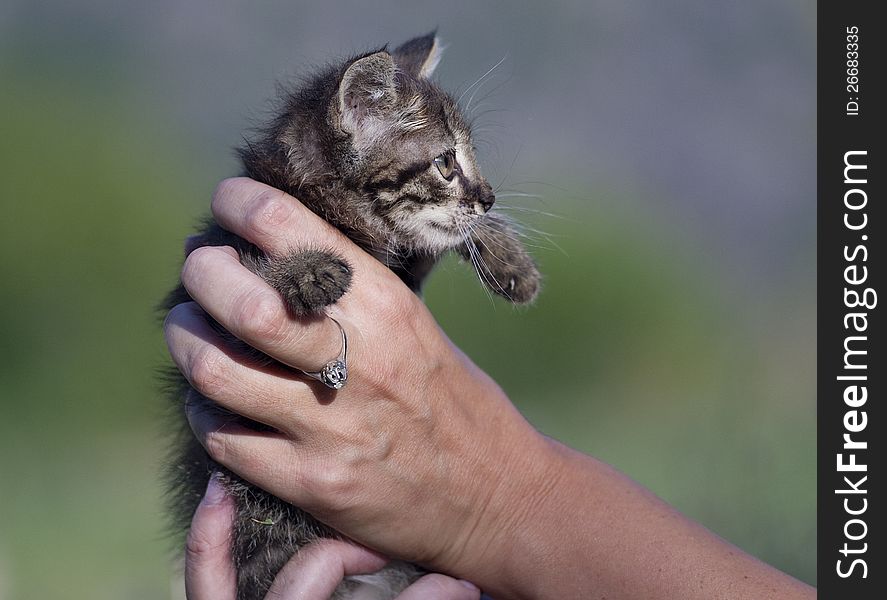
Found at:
<point>378,150</point>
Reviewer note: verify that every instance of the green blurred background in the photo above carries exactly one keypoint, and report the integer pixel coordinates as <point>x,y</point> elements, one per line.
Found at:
<point>674,150</point>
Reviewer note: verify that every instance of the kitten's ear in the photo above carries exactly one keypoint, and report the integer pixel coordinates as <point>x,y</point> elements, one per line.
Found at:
<point>367,90</point>
<point>420,56</point>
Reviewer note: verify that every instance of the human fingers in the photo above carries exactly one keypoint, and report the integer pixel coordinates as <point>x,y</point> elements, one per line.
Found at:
<point>254,312</point>
<point>438,586</point>
<point>279,224</point>
<point>315,571</point>
<point>260,393</point>
<point>276,222</point>
<point>267,459</point>
<point>209,571</point>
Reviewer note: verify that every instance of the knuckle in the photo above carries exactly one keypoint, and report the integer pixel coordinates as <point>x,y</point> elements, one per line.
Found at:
<point>333,486</point>
<point>402,316</point>
<point>326,552</point>
<point>261,316</point>
<point>405,307</point>
<point>393,304</point>
<point>197,547</point>
<point>208,370</point>
<point>217,446</point>
<point>268,211</point>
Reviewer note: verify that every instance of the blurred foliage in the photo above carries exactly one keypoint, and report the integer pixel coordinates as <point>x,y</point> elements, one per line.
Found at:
<point>633,353</point>
<point>94,210</point>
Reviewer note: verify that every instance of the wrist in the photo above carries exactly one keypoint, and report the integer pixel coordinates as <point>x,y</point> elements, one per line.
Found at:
<point>507,545</point>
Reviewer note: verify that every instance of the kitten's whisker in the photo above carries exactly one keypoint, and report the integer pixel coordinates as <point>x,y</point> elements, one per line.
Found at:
<point>526,209</point>
<point>471,98</point>
<point>481,78</point>
<point>525,227</point>
<point>477,115</point>
<point>490,272</point>
<point>541,237</point>
<point>542,183</point>
<point>524,236</point>
<point>487,267</point>
<point>493,254</point>
<point>565,192</point>
<point>510,167</point>
<point>472,254</point>
<point>547,236</point>
<point>488,94</point>
<point>479,265</point>
<point>508,194</point>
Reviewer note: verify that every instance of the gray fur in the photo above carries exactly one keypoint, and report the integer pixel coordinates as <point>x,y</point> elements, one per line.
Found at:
<point>356,144</point>
<point>309,280</point>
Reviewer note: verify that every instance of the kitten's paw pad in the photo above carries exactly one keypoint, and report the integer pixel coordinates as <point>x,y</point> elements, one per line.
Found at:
<point>319,285</point>
<point>310,281</point>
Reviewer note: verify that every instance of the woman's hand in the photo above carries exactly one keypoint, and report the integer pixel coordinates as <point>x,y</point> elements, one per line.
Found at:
<point>420,456</point>
<point>312,574</point>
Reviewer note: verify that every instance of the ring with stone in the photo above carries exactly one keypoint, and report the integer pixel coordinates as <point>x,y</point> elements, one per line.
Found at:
<point>334,374</point>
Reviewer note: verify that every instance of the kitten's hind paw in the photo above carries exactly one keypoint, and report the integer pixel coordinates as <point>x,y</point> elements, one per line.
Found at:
<point>309,280</point>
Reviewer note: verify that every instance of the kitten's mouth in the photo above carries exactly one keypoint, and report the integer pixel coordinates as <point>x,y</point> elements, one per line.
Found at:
<point>446,235</point>
<point>452,229</point>
<point>459,223</point>
<point>455,227</point>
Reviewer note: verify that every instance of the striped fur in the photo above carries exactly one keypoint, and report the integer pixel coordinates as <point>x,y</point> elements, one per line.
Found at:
<point>356,143</point>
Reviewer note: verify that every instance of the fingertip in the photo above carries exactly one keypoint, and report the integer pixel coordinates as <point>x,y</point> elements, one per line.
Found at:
<point>209,572</point>
<point>317,569</point>
<point>356,559</point>
<point>215,493</point>
<point>437,585</point>
<point>215,511</point>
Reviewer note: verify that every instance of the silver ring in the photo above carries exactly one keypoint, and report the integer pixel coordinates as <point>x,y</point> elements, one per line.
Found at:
<point>334,374</point>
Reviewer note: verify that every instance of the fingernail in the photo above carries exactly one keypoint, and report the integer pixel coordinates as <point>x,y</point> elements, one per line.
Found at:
<point>469,585</point>
<point>215,493</point>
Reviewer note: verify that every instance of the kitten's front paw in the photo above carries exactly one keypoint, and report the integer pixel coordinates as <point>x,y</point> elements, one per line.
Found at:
<point>523,287</point>
<point>502,262</point>
<point>517,281</point>
<point>310,280</point>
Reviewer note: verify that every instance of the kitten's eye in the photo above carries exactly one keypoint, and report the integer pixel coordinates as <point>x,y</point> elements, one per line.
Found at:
<point>446,164</point>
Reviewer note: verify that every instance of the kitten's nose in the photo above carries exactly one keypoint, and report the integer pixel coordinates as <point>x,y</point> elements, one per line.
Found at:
<point>485,203</point>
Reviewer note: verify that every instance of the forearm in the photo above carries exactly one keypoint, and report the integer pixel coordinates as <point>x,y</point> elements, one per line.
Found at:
<point>589,530</point>
<point>421,456</point>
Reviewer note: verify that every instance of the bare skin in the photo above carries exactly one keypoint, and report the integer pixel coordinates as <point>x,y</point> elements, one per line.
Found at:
<point>422,456</point>
<point>312,574</point>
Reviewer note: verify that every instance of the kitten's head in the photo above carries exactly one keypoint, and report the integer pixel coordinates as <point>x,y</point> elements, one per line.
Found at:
<point>409,148</point>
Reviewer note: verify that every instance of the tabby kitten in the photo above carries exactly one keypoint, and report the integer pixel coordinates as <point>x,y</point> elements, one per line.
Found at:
<point>379,151</point>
